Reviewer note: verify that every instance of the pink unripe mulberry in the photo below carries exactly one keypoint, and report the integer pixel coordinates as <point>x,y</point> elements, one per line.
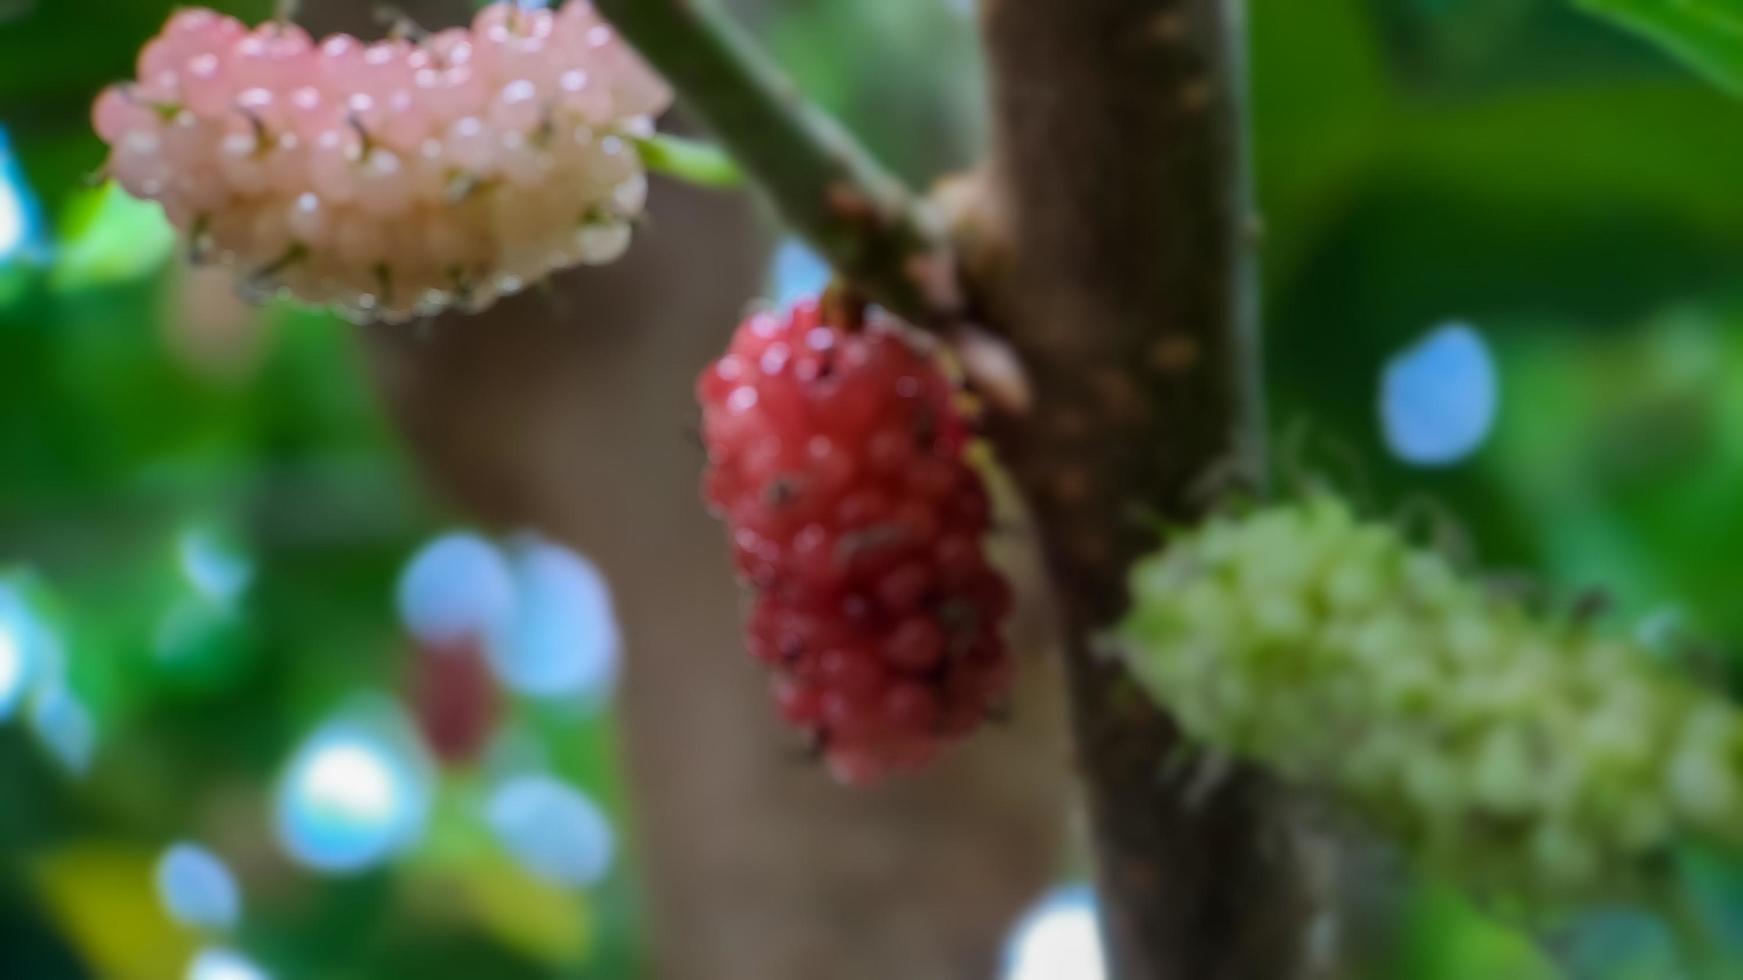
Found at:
<point>389,179</point>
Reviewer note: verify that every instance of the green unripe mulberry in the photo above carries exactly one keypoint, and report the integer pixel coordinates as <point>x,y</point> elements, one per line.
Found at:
<point>1531,759</point>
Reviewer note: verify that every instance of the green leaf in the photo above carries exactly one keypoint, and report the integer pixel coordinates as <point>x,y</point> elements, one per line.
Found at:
<point>691,161</point>
<point>1707,34</point>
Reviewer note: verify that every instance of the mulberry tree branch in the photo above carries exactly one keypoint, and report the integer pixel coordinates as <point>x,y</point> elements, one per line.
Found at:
<point>1125,284</point>
<point>826,186</point>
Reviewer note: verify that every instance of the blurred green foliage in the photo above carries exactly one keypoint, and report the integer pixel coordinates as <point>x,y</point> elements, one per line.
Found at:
<point>141,405</point>
<point>116,449</point>
<point>1565,186</point>
<point>1708,34</point>
<point>1571,192</point>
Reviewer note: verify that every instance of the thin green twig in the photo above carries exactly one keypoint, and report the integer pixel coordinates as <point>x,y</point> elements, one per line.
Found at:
<point>856,214</point>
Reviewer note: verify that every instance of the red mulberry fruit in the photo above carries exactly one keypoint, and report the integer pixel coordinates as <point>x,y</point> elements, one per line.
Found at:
<point>837,461</point>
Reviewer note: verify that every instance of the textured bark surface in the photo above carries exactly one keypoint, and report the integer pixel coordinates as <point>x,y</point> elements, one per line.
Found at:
<point>1120,271</point>
<point>571,410</point>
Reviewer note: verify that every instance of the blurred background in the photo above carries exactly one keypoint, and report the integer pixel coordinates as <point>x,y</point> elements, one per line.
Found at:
<point>338,652</point>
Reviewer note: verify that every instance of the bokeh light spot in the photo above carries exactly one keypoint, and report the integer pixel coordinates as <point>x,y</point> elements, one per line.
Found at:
<point>1439,397</point>
<point>223,964</point>
<point>796,272</point>
<point>24,650</point>
<point>217,571</point>
<point>1058,940</point>
<point>562,640</point>
<point>456,587</point>
<point>11,220</point>
<point>197,888</point>
<point>14,669</point>
<point>352,798</point>
<point>552,829</point>
<point>20,215</point>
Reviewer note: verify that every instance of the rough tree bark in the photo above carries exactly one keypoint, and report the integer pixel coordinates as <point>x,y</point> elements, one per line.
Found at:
<point>570,411</point>
<point>1120,269</point>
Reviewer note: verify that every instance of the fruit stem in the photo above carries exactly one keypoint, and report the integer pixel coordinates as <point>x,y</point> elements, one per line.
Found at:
<point>844,306</point>
<point>827,187</point>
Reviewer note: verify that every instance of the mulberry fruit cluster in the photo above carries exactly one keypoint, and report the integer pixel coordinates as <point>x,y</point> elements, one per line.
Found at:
<point>395,178</point>
<point>1529,759</point>
<point>837,460</point>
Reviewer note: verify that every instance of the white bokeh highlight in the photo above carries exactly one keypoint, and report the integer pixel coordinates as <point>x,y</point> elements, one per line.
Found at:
<point>20,217</point>
<point>223,964</point>
<point>1057,940</point>
<point>552,829</point>
<point>355,795</point>
<point>12,232</point>
<point>1439,397</point>
<point>197,888</point>
<point>16,627</point>
<point>33,678</point>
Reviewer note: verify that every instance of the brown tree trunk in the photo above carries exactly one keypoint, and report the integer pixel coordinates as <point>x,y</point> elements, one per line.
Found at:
<point>571,411</point>
<point>1118,263</point>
